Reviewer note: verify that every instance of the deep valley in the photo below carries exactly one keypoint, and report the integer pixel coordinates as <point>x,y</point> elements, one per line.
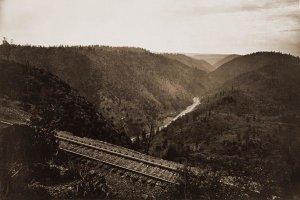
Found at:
<point>233,129</point>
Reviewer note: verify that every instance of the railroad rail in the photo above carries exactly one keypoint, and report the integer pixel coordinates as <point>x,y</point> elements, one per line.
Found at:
<point>140,165</point>
<point>121,158</point>
<point>6,123</point>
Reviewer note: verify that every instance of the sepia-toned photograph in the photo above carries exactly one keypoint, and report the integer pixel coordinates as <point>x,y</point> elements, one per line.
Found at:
<point>150,99</point>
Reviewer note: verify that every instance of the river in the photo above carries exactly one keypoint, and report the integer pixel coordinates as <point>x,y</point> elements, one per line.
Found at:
<point>190,108</point>
<point>196,102</point>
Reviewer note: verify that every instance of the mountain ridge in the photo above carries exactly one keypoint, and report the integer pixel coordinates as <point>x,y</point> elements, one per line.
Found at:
<point>248,63</point>
<point>42,99</point>
<point>225,60</point>
<point>247,125</point>
<point>133,88</point>
<point>199,64</point>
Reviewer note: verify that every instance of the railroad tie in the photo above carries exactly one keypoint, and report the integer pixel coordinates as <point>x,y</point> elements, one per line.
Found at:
<point>127,164</point>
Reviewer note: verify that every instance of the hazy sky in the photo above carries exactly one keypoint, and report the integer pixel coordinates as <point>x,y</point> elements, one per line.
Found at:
<point>191,26</point>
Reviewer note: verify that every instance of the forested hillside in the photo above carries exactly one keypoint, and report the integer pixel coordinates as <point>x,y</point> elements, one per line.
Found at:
<point>39,104</point>
<point>132,87</point>
<point>251,62</point>
<point>247,128</point>
<point>34,96</point>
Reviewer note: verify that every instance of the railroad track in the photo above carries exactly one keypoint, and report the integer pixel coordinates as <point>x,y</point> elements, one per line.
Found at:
<point>121,158</point>
<point>116,158</point>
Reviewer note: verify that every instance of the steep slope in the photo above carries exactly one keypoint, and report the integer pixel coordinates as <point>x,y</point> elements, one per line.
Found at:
<point>249,63</point>
<point>32,95</point>
<point>240,137</point>
<point>189,61</point>
<point>132,87</point>
<point>225,60</point>
<point>247,128</point>
<point>277,82</point>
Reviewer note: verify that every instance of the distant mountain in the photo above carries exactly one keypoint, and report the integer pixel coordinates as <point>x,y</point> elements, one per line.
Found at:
<point>132,87</point>
<point>278,82</point>
<point>210,58</point>
<point>251,62</point>
<point>189,61</point>
<point>33,95</point>
<point>225,60</point>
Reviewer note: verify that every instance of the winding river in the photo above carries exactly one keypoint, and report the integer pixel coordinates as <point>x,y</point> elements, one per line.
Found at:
<point>190,108</point>
<point>196,102</point>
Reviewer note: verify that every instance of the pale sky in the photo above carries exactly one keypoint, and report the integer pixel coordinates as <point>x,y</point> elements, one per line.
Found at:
<point>189,26</point>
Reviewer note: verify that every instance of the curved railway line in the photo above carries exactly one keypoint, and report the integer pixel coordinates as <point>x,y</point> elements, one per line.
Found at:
<point>122,162</point>
<point>118,159</point>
